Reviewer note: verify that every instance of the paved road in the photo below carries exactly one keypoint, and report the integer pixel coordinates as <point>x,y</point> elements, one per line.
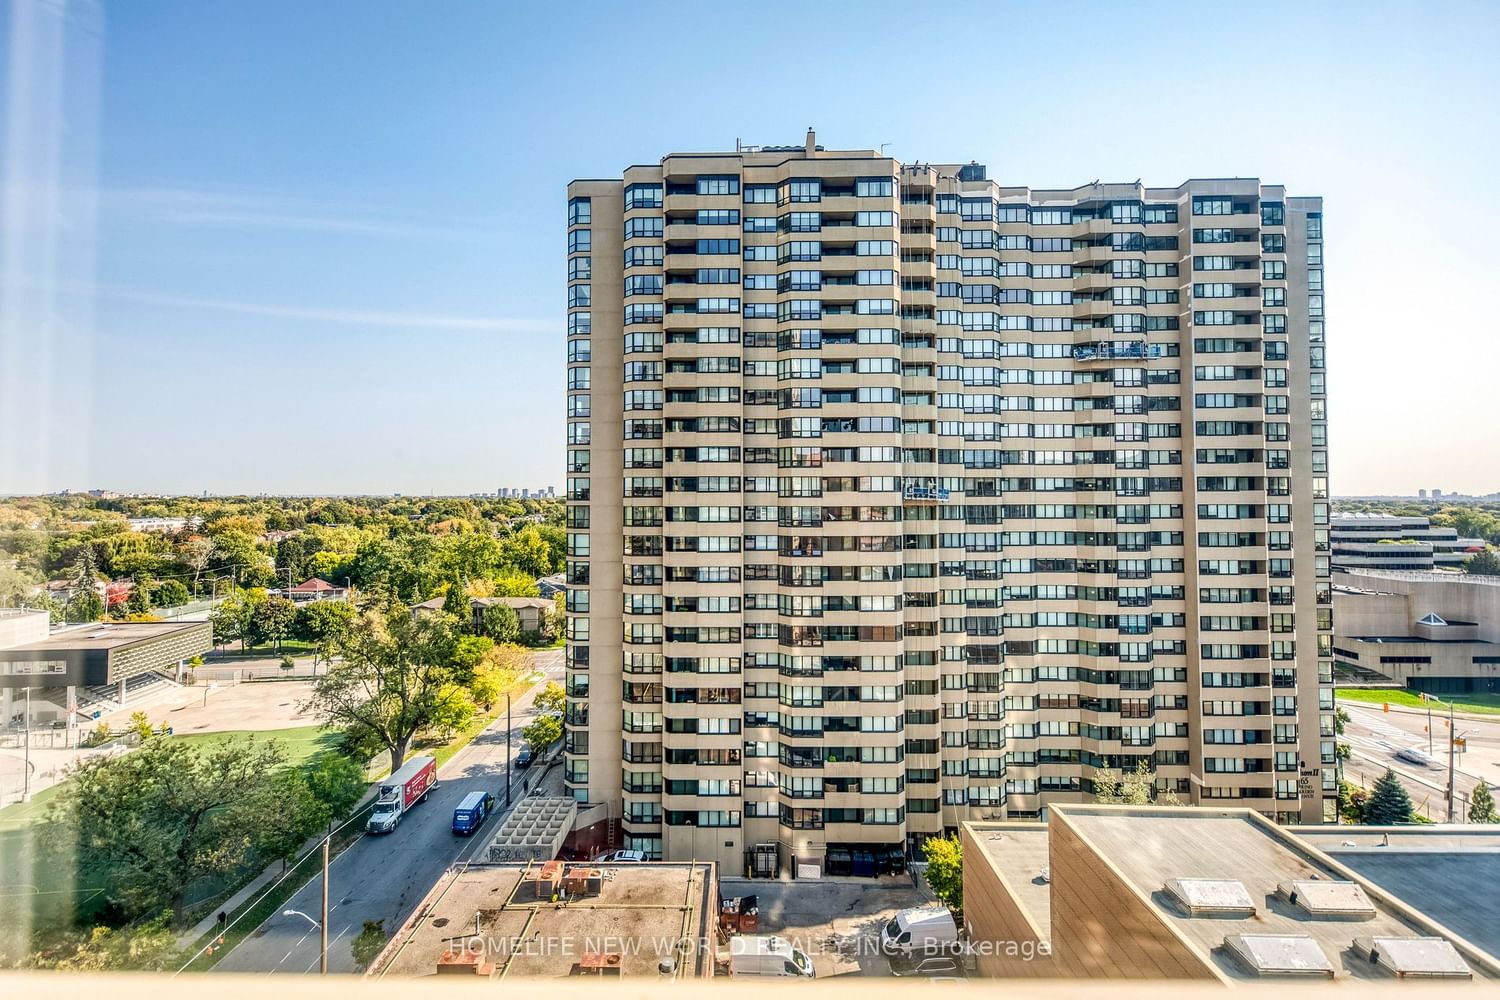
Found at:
<point>385,877</point>
<point>1375,736</point>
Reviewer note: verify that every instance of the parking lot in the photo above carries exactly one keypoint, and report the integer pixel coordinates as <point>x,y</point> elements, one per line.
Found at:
<point>836,921</point>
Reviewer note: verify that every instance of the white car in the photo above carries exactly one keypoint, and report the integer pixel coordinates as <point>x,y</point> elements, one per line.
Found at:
<point>621,857</point>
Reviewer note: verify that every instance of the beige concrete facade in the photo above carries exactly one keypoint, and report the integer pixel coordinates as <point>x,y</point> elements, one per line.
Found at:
<point>1436,632</point>
<point>899,498</point>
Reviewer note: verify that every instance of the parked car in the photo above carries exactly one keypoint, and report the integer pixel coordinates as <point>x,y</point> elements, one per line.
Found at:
<point>934,967</point>
<point>621,857</point>
<point>920,930</point>
<point>524,758</point>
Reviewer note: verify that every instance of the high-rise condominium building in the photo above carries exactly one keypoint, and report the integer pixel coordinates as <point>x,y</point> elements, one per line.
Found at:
<point>900,497</point>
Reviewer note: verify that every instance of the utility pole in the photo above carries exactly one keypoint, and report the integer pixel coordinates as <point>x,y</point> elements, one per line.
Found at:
<point>1429,726</point>
<point>507,749</point>
<point>1451,741</point>
<point>323,959</point>
<point>26,768</point>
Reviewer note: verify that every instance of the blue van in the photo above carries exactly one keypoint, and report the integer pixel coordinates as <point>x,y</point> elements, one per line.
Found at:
<point>471,812</point>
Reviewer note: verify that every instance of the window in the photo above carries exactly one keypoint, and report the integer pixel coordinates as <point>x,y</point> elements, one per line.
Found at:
<point>579,211</point>
<point>642,196</point>
<point>760,194</point>
<point>718,185</point>
<point>643,226</point>
<point>874,187</point>
<point>1213,206</point>
<point>579,241</point>
<point>807,190</point>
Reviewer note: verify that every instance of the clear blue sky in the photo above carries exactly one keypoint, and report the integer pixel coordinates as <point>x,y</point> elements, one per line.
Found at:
<point>328,251</point>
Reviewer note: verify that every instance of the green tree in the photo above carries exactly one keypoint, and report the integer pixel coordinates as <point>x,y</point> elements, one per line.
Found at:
<point>469,652</point>
<point>499,671</point>
<point>542,732</point>
<point>164,816</point>
<point>369,943</point>
<point>150,946</point>
<point>138,602</point>
<point>338,782</point>
<point>300,816</point>
<point>197,554</point>
<point>528,551</point>
<point>84,572</point>
<point>456,603</point>
<point>392,668</point>
<point>1482,805</point>
<point>322,622</point>
<point>515,585</point>
<point>1389,804</point>
<point>170,594</point>
<point>500,622</point>
<point>271,621</point>
<point>1486,563</point>
<point>551,698</point>
<point>453,709</point>
<point>85,606</point>
<point>1136,787</point>
<point>140,724</point>
<point>945,870</point>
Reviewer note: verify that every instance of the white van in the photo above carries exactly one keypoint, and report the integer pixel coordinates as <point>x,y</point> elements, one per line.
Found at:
<point>921,929</point>
<point>768,956</point>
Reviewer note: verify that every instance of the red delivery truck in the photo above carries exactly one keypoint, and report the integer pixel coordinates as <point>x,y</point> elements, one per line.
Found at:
<point>400,792</point>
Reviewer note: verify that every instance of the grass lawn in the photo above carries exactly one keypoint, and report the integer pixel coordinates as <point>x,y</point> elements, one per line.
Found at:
<point>302,743</point>
<point>1479,704</point>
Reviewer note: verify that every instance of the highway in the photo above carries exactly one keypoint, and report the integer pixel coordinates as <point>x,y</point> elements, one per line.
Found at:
<point>385,877</point>
<point>1374,738</point>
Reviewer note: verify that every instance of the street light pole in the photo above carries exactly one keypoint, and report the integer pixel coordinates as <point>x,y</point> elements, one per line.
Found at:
<point>1451,735</point>
<point>507,749</point>
<point>323,960</point>
<point>26,779</point>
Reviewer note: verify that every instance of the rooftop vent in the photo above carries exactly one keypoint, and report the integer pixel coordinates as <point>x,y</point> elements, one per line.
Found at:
<point>1414,957</point>
<point>1211,897</point>
<point>1330,900</point>
<point>1279,954</point>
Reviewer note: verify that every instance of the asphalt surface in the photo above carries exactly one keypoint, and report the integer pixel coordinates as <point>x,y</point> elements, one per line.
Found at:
<point>385,877</point>
<point>1375,737</point>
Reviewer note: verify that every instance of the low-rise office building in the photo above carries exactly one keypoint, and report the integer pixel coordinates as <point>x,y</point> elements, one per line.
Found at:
<point>72,670</point>
<point>1363,540</point>
<point>1434,632</point>
<point>1225,896</point>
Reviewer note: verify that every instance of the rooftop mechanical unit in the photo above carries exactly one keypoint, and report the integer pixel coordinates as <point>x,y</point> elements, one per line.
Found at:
<point>1414,957</point>
<point>1211,897</point>
<point>1327,900</point>
<point>1273,955</point>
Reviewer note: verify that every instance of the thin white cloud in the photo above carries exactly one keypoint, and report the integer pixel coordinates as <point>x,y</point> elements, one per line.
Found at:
<point>242,210</point>
<point>353,317</point>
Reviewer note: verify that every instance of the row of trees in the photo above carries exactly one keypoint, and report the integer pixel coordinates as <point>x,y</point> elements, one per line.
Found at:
<point>411,548</point>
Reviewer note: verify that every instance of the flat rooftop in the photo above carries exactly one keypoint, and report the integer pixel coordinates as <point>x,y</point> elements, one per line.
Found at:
<point>1018,851</point>
<point>1148,846</point>
<point>1448,873</point>
<point>107,635</point>
<point>641,912</point>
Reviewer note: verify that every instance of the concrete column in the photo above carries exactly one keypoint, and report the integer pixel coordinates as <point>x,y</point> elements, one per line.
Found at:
<point>122,692</point>
<point>72,703</point>
<point>7,708</point>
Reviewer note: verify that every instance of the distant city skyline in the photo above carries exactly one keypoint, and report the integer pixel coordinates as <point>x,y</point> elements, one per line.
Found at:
<point>314,249</point>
